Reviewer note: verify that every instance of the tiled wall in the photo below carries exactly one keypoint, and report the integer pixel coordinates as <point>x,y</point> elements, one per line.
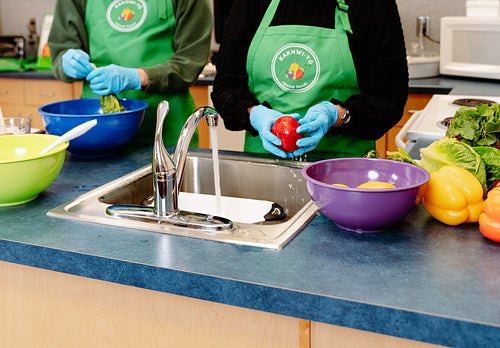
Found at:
<point>15,14</point>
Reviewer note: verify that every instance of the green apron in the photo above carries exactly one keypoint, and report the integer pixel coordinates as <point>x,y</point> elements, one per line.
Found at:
<point>137,33</point>
<point>294,67</point>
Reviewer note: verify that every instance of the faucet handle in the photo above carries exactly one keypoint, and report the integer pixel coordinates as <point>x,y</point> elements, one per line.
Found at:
<point>161,113</point>
<point>162,162</point>
<point>164,169</point>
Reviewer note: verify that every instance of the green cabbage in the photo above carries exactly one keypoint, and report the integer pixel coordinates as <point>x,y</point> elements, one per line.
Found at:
<point>448,151</point>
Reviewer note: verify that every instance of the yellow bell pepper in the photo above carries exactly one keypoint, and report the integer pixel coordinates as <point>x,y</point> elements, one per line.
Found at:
<point>453,196</point>
<point>489,220</point>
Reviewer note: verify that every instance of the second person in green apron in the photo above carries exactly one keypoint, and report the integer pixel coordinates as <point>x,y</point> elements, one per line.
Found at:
<point>338,65</point>
<point>151,50</point>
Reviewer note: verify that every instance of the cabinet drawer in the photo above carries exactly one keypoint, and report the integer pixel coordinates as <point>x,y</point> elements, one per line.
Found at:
<point>41,92</point>
<point>391,138</point>
<point>11,91</point>
<point>414,103</point>
<point>77,89</point>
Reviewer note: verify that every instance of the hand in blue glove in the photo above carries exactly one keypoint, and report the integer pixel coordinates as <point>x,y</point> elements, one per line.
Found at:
<point>317,121</point>
<point>262,119</point>
<point>76,63</point>
<point>113,79</point>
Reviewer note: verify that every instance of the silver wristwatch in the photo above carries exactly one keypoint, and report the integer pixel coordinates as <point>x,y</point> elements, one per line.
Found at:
<point>346,117</point>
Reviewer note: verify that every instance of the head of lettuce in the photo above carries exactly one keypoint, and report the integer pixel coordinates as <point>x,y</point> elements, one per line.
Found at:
<point>447,151</point>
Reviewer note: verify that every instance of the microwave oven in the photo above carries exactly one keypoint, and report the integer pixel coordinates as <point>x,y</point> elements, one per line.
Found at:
<point>470,46</point>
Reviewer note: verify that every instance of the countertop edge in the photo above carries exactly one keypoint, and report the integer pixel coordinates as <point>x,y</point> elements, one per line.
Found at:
<point>442,84</point>
<point>402,323</point>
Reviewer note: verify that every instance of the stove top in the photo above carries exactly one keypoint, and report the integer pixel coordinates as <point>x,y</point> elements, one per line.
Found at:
<point>430,124</point>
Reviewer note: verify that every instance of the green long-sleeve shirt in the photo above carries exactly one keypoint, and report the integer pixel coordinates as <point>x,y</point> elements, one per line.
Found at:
<point>193,30</point>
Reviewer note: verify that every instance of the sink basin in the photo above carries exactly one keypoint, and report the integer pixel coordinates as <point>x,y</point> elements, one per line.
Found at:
<point>241,176</point>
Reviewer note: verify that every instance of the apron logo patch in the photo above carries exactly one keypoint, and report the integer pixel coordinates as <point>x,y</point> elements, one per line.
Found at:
<point>295,68</point>
<point>126,15</point>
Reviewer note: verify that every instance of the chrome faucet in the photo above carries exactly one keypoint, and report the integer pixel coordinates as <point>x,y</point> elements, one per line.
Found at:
<point>167,179</point>
<point>168,173</point>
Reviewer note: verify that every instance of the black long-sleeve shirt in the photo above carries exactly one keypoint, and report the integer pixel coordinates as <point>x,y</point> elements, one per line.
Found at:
<point>377,47</point>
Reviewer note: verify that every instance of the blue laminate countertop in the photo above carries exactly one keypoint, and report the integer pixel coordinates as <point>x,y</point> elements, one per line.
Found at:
<point>45,74</point>
<point>422,280</point>
<point>455,85</point>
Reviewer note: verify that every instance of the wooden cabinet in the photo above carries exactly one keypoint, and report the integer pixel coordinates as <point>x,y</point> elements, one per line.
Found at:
<point>23,97</point>
<point>415,102</point>
<point>49,309</point>
<point>201,98</point>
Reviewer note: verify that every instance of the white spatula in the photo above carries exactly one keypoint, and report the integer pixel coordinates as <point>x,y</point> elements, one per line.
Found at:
<point>71,134</point>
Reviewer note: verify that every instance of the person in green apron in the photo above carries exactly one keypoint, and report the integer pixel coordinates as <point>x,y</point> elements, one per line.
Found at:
<point>151,50</point>
<point>337,66</point>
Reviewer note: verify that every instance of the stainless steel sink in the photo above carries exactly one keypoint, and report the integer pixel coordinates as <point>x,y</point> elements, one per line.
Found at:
<point>241,176</point>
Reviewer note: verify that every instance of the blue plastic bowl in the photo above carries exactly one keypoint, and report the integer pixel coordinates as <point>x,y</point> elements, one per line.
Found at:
<point>111,133</point>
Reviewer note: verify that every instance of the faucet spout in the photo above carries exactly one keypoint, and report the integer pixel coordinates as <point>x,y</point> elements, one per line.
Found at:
<point>186,134</point>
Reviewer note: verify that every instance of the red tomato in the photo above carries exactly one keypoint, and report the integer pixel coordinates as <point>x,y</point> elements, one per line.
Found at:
<point>497,184</point>
<point>285,129</point>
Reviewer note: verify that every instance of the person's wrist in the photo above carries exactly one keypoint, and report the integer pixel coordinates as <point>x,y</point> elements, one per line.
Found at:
<point>251,108</point>
<point>343,116</point>
<point>144,77</point>
<point>331,112</point>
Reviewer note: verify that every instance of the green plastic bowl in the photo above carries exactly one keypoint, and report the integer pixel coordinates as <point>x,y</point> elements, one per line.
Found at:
<point>23,172</point>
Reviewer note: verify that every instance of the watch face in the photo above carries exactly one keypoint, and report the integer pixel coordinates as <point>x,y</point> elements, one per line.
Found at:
<point>347,117</point>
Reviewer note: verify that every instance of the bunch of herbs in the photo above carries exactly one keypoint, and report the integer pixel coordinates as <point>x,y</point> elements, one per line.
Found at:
<point>476,126</point>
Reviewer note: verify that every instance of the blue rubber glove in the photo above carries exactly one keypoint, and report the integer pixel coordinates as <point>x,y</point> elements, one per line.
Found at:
<point>113,79</point>
<point>262,119</point>
<point>76,63</point>
<point>317,121</point>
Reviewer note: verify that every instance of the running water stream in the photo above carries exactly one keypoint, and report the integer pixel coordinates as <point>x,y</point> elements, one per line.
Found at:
<point>215,161</point>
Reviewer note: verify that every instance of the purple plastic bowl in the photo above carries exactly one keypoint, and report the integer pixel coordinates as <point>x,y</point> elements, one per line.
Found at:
<point>365,210</point>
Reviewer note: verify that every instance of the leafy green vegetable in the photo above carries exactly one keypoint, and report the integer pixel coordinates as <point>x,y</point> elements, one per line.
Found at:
<point>372,154</point>
<point>479,126</point>
<point>491,158</point>
<point>448,151</point>
<point>110,104</point>
<point>470,143</point>
<point>401,155</point>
